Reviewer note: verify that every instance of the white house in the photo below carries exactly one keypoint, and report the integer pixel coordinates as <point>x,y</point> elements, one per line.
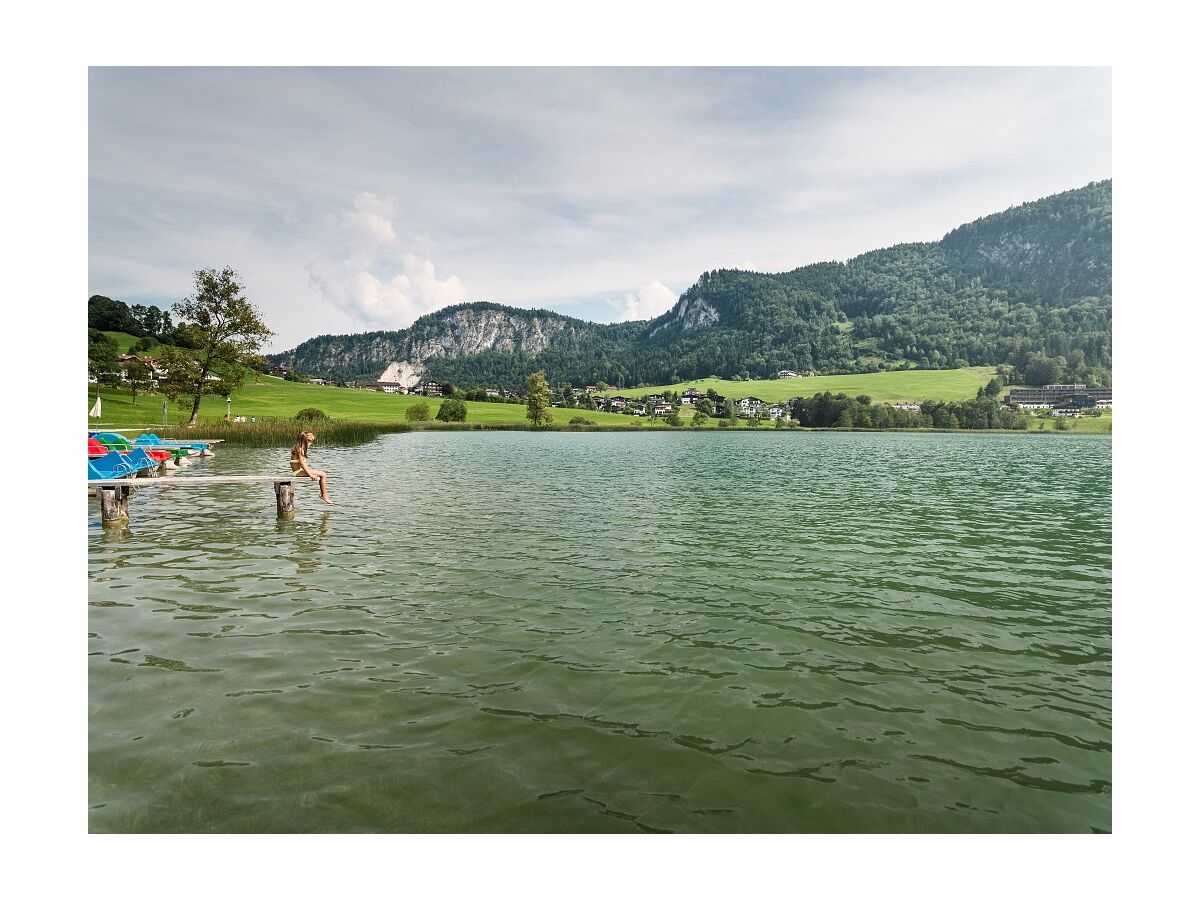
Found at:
<point>779,411</point>
<point>749,406</point>
<point>786,374</point>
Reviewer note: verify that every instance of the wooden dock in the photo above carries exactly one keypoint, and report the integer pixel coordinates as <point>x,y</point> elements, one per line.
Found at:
<point>114,492</point>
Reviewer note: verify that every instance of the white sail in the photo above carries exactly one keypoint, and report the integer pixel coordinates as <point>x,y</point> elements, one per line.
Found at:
<point>95,413</point>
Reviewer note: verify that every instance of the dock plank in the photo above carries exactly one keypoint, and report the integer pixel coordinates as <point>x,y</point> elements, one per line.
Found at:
<point>193,481</point>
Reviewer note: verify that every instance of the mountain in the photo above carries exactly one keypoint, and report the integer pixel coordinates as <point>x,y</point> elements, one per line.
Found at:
<point>1029,287</point>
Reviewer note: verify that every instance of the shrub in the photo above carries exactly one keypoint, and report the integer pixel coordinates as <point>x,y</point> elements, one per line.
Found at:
<point>724,423</point>
<point>418,412</point>
<point>452,410</point>
<point>311,414</point>
<point>143,344</point>
<point>580,420</point>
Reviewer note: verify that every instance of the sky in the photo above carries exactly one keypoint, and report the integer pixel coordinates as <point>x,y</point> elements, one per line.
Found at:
<point>353,200</point>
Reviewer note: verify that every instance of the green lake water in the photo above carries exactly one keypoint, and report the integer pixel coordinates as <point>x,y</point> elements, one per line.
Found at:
<point>507,631</point>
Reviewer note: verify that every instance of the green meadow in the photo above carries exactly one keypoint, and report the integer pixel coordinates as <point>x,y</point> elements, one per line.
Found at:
<point>882,387</point>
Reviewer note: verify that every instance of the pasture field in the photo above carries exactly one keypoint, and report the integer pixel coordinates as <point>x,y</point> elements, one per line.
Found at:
<point>882,387</point>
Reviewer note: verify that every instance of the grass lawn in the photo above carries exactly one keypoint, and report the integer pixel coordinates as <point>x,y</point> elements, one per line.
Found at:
<point>275,398</point>
<point>881,387</point>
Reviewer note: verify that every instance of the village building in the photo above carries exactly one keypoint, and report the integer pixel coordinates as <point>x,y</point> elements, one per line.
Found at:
<point>785,373</point>
<point>662,408</point>
<point>1049,395</point>
<point>911,407</point>
<point>432,388</point>
<point>690,397</point>
<point>386,387</point>
<point>779,411</point>
<point>749,406</point>
<point>492,392</point>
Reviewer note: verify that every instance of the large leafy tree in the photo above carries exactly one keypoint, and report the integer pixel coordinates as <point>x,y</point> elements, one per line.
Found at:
<point>227,332</point>
<point>537,399</point>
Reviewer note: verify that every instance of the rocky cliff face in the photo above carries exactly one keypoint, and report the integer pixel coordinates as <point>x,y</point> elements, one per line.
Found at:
<point>688,313</point>
<point>452,332</point>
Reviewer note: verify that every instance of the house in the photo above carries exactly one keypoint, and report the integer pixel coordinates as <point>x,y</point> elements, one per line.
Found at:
<point>618,404</point>
<point>432,389</point>
<point>279,371</point>
<point>637,409</point>
<point>690,397</point>
<point>317,381</point>
<point>662,408</point>
<point>779,411</point>
<point>590,389</point>
<point>597,402</point>
<point>387,387</point>
<point>749,406</point>
<point>912,407</point>
<point>492,392</point>
<point>787,374</point>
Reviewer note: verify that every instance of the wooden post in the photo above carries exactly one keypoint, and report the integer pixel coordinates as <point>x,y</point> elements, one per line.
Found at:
<point>114,505</point>
<point>284,499</point>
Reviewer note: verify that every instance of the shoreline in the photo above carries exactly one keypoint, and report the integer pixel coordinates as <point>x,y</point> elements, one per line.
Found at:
<point>280,434</point>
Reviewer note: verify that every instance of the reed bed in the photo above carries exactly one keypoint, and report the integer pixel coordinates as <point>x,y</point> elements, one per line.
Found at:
<point>282,432</point>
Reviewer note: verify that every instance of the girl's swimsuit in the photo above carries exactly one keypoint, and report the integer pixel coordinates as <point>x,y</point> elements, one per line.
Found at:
<point>296,467</point>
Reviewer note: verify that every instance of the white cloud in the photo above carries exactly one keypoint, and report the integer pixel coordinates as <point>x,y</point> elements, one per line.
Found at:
<point>358,282</point>
<point>371,218</point>
<point>651,300</point>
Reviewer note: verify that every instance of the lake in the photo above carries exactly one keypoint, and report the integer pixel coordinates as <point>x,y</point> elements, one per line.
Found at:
<point>698,632</point>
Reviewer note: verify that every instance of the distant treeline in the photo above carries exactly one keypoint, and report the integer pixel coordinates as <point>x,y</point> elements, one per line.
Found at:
<point>840,411</point>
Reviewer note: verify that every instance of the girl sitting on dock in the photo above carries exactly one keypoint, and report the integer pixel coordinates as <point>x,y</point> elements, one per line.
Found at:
<point>300,462</point>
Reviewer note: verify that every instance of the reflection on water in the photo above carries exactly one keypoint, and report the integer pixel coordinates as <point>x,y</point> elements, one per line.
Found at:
<point>614,632</point>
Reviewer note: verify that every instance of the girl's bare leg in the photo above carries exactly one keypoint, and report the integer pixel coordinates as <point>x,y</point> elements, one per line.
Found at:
<point>324,486</point>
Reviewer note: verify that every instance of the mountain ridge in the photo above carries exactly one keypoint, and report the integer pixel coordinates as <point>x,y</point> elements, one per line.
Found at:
<point>1032,282</point>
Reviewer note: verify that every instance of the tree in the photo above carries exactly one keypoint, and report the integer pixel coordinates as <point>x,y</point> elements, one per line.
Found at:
<point>102,357</point>
<point>699,418</point>
<point>227,331</point>
<point>138,377</point>
<point>418,412</point>
<point>452,410</point>
<point>994,387</point>
<point>674,419</point>
<point>107,314</point>
<point>537,399</point>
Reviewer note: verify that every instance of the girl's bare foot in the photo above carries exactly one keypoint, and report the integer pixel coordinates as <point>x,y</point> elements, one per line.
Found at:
<point>327,500</point>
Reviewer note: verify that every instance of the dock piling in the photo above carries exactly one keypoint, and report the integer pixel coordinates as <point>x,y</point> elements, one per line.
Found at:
<point>114,505</point>
<point>285,499</point>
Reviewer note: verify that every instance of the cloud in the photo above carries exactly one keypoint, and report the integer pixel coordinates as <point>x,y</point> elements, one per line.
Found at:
<point>359,279</point>
<point>651,300</point>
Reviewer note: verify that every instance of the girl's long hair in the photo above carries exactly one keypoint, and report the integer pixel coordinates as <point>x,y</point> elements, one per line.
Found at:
<point>300,448</point>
